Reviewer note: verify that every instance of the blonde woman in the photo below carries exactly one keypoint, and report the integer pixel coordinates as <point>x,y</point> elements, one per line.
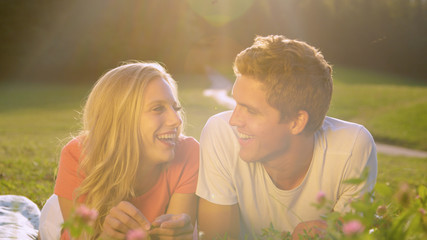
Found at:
<point>131,163</point>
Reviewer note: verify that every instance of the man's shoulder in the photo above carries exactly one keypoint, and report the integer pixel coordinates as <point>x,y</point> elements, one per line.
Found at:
<point>219,122</point>
<point>337,126</point>
<point>222,117</point>
<point>340,133</point>
<point>218,125</point>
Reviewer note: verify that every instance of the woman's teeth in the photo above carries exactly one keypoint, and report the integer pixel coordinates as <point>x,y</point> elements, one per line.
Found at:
<point>167,137</point>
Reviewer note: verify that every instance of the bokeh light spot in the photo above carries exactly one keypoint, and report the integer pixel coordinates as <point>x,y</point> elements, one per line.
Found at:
<point>220,12</point>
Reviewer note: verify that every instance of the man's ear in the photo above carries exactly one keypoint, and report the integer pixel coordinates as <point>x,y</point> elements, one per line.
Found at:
<point>299,123</point>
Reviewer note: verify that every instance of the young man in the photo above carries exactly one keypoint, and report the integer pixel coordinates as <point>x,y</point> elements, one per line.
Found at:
<point>267,160</point>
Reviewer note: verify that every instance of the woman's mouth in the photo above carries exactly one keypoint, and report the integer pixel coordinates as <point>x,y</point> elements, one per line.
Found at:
<point>168,138</point>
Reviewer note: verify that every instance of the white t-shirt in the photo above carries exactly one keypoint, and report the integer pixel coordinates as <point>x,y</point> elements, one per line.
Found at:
<point>342,151</point>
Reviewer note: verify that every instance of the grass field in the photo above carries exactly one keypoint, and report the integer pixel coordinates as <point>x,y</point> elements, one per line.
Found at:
<point>394,109</point>
<point>37,120</point>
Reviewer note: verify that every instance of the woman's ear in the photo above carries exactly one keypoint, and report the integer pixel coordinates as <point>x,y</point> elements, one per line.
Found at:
<point>299,123</point>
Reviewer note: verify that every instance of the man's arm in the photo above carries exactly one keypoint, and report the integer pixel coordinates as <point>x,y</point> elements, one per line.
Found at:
<point>363,158</point>
<point>218,214</point>
<point>217,221</point>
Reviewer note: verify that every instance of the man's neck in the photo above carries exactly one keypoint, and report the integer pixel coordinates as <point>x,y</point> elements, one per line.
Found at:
<point>289,170</point>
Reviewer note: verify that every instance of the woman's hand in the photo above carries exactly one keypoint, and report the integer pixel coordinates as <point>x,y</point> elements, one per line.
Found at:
<point>172,226</point>
<point>121,219</point>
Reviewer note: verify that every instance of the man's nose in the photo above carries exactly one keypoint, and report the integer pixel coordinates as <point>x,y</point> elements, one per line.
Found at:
<point>236,119</point>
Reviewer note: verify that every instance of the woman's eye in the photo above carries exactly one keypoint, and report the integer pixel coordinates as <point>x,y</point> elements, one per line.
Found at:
<point>177,108</point>
<point>158,109</point>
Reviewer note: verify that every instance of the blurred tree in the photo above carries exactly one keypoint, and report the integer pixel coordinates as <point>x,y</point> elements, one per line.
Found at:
<point>79,40</point>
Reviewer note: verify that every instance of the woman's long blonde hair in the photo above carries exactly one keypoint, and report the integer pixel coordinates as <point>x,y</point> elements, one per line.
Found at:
<point>112,145</point>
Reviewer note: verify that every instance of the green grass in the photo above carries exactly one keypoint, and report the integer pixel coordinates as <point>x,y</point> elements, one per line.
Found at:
<point>395,170</point>
<point>37,120</point>
<point>394,109</point>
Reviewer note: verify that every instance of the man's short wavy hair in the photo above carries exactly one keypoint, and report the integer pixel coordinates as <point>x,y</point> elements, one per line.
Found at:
<point>295,76</point>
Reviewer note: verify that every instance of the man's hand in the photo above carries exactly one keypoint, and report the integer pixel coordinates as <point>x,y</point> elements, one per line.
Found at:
<point>121,219</point>
<point>172,226</point>
<point>312,228</point>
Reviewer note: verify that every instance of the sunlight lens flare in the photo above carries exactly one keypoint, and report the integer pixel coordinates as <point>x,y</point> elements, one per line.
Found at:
<point>220,12</point>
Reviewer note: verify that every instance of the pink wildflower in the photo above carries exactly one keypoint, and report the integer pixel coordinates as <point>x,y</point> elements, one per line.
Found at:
<point>88,215</point>
<point>321,197</point>
<point>422,211</point>
<point>353,227</point>
<point>136,234</point>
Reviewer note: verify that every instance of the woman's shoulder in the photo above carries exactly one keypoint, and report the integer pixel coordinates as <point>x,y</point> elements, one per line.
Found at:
<point>187,142</point>
<point>183,170</point>
<point>75,142</point>
<point>186,150</point>
<point>73,148</point>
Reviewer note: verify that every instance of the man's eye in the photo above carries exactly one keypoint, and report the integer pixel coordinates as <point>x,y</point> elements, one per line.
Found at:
<point>251,111</point>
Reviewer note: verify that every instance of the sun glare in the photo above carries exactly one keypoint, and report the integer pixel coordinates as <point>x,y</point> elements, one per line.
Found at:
<point>219,13</point>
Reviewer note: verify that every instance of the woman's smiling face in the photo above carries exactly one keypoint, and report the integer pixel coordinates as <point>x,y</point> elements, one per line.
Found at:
<point>160,122</point>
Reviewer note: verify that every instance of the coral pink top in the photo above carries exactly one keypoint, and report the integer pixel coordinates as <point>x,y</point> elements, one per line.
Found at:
<point>179,177</point>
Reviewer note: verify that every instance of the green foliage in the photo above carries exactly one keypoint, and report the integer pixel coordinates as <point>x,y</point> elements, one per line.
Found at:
<point>271,233</point>
<point>80,222</point>
<point>77,227</point>
<point>382,215</point>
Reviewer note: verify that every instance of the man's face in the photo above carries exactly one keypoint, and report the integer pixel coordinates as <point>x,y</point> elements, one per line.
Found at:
<point>262,136</point>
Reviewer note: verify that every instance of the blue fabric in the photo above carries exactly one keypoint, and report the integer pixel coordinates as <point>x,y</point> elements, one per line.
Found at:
<point>19,218</point>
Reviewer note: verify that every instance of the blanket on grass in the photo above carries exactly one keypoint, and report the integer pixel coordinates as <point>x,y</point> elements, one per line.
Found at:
<point>19,218</point>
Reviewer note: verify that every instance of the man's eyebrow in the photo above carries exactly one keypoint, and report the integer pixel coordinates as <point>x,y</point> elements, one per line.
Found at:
<point>248,107</point>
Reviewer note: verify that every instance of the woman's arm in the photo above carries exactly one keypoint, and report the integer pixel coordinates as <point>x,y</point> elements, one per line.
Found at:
<point>121,219</point>
<point>66,206</point>
<point>184,203</point>
<point>180,217</point>
<point>118,222</point>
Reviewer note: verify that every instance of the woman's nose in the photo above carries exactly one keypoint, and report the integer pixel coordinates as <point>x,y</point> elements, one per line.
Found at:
<point>174,118</point>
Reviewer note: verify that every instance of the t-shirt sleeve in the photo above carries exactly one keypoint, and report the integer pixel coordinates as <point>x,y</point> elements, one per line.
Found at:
<point>189,151</point>
<point>68,178</point>
<point>363,158</point>
<point>215,182</point>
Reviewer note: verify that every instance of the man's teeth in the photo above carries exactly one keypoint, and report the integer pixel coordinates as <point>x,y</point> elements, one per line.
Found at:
<point>244,136</point>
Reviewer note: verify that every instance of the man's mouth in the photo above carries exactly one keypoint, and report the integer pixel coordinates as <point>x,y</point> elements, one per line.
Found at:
<point>244,136</point>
